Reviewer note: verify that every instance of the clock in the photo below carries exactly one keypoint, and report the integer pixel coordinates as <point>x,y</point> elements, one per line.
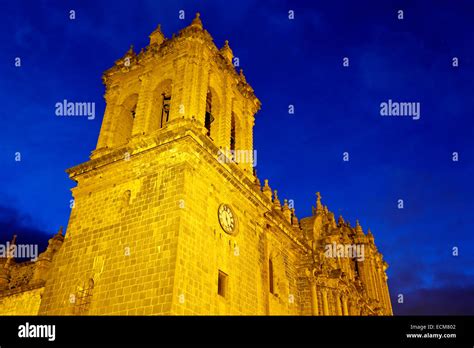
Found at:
<point>227,219</point>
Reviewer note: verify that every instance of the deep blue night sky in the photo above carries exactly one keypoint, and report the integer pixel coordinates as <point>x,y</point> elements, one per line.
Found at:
<point>296,62</point>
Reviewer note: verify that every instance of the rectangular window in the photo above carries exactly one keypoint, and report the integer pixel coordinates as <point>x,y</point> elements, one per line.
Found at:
<point>222,284</point>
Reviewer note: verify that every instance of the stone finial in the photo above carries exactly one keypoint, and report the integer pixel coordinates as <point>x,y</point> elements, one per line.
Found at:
<point>358,228</point>
<point>157,37</point>
<point>130,51</point>
<point>196,23</point>
<point>370,236</point>
<point>13,243</point>
<point>332,220</point>
<point>226,51</point>
<point>59,236</point>
<point>257,180</point>
<point>294,219</point>
<point>242,76</point>
<point>340,221</point>
<point>319,206</point>
<point>276,201</point>
<point>267,191</point>
<point>286,211</point>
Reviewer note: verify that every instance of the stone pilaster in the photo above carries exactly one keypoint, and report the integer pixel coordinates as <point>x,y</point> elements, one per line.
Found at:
<point>314,296</point>
<point>106,131</point>
<point>338,303</point>
<point>143,109</point>
<point>345,310</point>
<point>324,292</point>
<point>224,123</point>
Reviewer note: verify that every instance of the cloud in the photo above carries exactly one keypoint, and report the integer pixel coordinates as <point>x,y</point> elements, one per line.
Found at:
<point>14,222</point>
<point>450,293</point>
<point>449,300</point>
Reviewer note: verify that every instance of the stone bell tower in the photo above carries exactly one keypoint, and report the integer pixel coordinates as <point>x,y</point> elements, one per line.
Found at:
<point>185,77</point>
<point>143,235</point>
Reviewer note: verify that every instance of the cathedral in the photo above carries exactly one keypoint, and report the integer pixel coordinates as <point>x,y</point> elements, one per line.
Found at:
<point>170,218</point>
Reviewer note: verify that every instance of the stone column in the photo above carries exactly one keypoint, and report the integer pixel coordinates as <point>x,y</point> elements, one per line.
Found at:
<point>382,299</point>
<point>314,298</point>
<point>325,301</point>
<point>338,303</point>
<point>384,291</point>
<point>370,281</point>
<point>345,310</point>
<point>361,308</point>
<point>373,273</point>
<point>354,307</point>
<point>266,274</point>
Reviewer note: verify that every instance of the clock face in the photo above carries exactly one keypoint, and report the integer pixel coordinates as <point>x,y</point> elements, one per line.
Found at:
<point>227,219</point>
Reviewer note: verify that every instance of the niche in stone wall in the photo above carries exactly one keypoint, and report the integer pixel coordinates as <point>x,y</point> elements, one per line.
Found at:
<point>279,285</point>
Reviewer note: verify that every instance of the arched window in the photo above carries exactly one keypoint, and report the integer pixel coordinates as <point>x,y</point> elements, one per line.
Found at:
<point>124,121</point>
<point>161,106</point>
<point>209,117</point>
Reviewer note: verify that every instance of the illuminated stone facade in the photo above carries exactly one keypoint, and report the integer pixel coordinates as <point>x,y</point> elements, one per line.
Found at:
<point>167,219</point>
